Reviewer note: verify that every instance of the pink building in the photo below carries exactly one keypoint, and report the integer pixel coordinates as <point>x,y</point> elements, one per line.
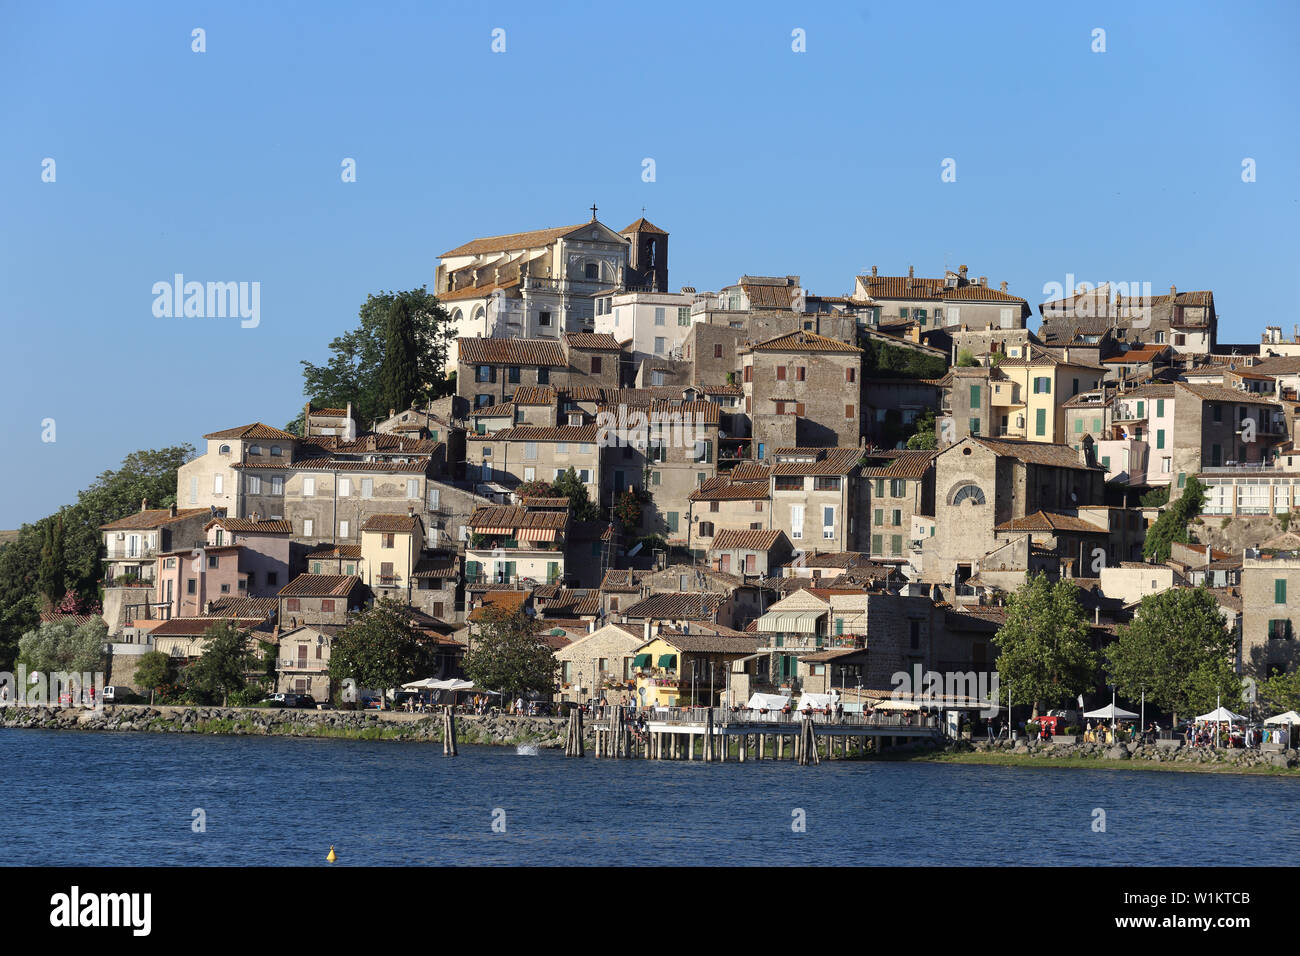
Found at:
<point>240,557</point>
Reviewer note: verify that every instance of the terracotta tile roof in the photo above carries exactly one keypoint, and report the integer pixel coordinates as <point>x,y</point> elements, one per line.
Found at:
<point>747,539</point>
<point>253,432</point>
<point>504,410</point>
<point>376,442</point>
<point>581,393</point>
<point>508,601</point>
<point>151,519</point>
<point>766,296</point>
<point>476,291</point>
<point>569,433</point>
<point>248,526</point>
<point>824,461</point>
<point>1050,521</point>
<point>259,608</point>
<point>514,517</point>
<point>619,579</point>
<point>750,471</point>
<point>642,225</point>
<point>337,551</point>
<point>1140,355</point>
<point>193,626</point>
<point>593,341</point>
<point>835,559</point>
<point>327,412</point>
<point>439,565</point>
<point>1223,393</point>
<point>320,585</point>
<point>534,395</point>
<point>742,645</point>
<point>480,351</point>
<point>541,502</point>
<point>736,391</point>
<point>511,241</point>
<point>906,464</point>
<point>669,412</point>
<point>407,524</point>
<point>1032,452</point>
<point>917,287</point>
<point>803,342</point>
<point>676,607</point>
<point>719,489</point>
<point>416,466</point>
<point>641,396</point>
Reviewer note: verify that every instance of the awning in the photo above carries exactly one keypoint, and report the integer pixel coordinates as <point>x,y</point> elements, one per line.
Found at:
<point>668,660</point>
<point>802,622</point>
<point>641,660</point>
<point>767,702</point>
<point>493,530</point>
<point>538,534</point>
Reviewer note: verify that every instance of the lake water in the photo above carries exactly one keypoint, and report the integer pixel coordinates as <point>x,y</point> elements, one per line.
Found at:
<point>129,799</point>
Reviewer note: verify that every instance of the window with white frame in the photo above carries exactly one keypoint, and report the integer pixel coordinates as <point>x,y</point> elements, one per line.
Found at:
<point>345,487</point>
<point>828,521</point>
<point>796,521</point>
<point>367,487</point>
<point>309,487</point>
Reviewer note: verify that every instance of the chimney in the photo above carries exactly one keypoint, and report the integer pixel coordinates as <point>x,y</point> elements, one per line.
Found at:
<point>984,282</point>
<point>171,510</point>
<point>392,412</point>
<point>1004,285</point>
<point>1096,614</point>
<point>962,271</point>
<point>873,270</point>
<point>1173,290</point>
<point>144,504</point>
<point>910,272</point>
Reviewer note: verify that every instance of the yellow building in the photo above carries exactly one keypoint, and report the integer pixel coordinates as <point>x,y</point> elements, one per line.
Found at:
<point>390,549</point>
<point>675,669</point>
<point>1026,401</point>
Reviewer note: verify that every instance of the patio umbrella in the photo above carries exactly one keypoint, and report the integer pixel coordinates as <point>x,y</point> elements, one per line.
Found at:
<point>1290,717</point>
<point>1110,712</point>
<point>1221,715</point>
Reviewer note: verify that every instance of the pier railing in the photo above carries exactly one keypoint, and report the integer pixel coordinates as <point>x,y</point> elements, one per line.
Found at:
<point>726,717</point>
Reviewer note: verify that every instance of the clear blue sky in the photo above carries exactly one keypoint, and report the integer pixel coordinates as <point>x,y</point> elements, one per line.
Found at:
<point>225,166</point>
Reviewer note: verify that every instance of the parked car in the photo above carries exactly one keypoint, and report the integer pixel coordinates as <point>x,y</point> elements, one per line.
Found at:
<point>370,703</point>
<point>279,700</point>
<point>305,700</point>
<point>110,694</point>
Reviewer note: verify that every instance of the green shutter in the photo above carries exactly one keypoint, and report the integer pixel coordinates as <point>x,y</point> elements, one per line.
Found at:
<point>875,543</point>
<point>1160,438</point>
<point>1142,409</point>
<point>1040,424</point>
<point>1279,591</point>
<point>974,396</point>
<point>1078,426</point>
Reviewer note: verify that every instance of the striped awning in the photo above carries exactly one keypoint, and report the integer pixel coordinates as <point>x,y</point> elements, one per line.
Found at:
<point>495,530</point>
<point>538,534</point>
<point>801,622</point>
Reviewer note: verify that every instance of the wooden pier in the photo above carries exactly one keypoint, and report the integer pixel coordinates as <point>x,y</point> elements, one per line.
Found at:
<point>719,734</point>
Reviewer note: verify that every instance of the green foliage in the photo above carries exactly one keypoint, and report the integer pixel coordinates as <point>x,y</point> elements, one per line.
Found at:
<point>1044,653</point>
<point>154,671</point>
<point>1285,520</point>
<point>223,668</point>
<point>926,437</point>
<point>380,649</point>
<point>1156,498</point>
<point>1280,692</point>
<point>966,359</point>
<point>64,646</point>
<point>508,654</point>
<point>354,372</point>
<point>399,373</point>
<point>882,360</point>
<point>628,508</point>
<point>50,576</point>
<point>1178,649</point>
<point>568,485</point>
<point>1172,524</point>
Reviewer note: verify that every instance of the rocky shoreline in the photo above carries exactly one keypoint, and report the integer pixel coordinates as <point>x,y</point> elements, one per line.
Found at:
<point>1136,755</point>
<point>493,729</point>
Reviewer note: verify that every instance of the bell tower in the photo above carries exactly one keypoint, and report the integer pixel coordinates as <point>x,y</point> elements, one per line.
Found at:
<point>647,256</point>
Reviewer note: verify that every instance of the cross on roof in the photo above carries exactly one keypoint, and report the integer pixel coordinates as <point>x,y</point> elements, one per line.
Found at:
<point>593,212</point>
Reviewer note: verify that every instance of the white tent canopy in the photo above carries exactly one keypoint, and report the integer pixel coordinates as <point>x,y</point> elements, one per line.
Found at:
<point>1290,717</point>
<point>1221,715</point>
<point>1110,712</point>
<point>767,702</point>
<point>816,701</point>
<point>427,683</point>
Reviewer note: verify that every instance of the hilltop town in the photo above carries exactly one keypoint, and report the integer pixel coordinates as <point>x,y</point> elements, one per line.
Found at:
<point>702,495</point>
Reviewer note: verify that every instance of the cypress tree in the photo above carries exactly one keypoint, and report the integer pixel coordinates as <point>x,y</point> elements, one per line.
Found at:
<point>50,577</point>
<point>400,374</point>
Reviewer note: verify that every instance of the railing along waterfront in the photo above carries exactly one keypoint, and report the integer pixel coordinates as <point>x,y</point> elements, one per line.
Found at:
<point>727,717</point>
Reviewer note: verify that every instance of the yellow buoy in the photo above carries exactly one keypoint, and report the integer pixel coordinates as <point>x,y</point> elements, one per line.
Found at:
<point>331,857</point>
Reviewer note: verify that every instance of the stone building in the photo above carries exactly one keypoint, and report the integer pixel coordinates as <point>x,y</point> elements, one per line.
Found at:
<point>954,300</point>
<point>1270,602</point>
<point>320,599</point>
<point>802,390</point>
<point>214,478</point>
<point>898,487</point>
<point>527,453</point>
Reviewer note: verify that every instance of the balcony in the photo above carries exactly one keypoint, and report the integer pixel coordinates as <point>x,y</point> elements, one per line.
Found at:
<point>302,664</point>
<point>123,552</point>
<point>507,582</point>
<point>389,580</point>
<point>811,642</point>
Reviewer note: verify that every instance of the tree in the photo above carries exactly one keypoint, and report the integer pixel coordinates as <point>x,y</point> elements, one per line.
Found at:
<point>508,654</point>
<point>1280,691</point>
<point>399,374</point>
<point>627,509</point>
<point>154,670</point>
<point>1172,524</point>
<point>354,371</point>
<point>568,485</point>
<point>64,645</point>
<point>223,668</point>
<point>380,649</point>
<point>1044,653</point>
<point>925,437</point>
<point>1178,650</point>
<point>966,359</point>
<point>147,474</point>
<point>50,579</point>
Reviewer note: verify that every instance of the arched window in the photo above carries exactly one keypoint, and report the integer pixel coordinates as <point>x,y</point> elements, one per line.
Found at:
<point>254,449</point>
<point>223,450</point>
<point>967,492</point>
<point>456,317</point>
<point>275,451</point>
